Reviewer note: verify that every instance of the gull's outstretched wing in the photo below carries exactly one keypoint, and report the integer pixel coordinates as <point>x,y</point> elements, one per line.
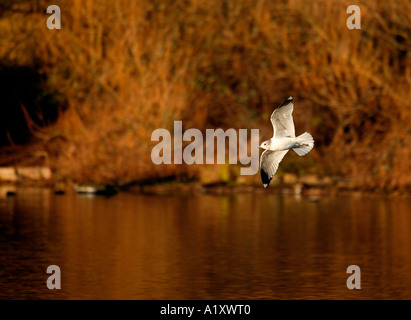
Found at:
<point>282,119</point>
<point>269,164</point>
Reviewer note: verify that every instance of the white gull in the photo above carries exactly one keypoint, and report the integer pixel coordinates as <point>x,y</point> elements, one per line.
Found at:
<point>283,140</point>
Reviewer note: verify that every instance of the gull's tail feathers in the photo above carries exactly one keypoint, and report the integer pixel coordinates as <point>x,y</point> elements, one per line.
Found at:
<point>305,143</point>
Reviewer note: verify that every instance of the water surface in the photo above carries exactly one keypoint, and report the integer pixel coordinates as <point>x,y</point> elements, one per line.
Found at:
<point>237,246</point>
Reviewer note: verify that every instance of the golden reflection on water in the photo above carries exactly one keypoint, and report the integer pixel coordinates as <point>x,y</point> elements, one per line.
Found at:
<point>239,246</point>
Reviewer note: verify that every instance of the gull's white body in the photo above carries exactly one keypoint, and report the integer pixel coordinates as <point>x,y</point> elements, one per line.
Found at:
<point>283,140</point>
<point>281,143</point>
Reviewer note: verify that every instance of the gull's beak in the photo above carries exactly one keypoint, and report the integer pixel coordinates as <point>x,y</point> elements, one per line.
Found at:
<point>258,147</point>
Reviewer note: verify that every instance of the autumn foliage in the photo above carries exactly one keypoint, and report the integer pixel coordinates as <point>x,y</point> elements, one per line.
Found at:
<point>124,68</point>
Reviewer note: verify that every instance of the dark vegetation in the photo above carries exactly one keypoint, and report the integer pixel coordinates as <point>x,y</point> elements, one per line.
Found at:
<point>89,95</point>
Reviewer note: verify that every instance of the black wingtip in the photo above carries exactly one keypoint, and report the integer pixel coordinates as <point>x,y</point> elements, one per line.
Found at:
<point>286,102</point>
<point>265,178</point>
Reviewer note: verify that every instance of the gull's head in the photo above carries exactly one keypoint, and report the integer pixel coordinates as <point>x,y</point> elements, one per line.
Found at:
<point>265,145</point>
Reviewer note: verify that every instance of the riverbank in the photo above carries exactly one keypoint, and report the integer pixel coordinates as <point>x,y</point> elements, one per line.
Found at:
<point>87,98</point>
<point>309,185</point>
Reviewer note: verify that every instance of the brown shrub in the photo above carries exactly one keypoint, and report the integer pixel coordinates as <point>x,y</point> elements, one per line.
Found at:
<point>128,67</point>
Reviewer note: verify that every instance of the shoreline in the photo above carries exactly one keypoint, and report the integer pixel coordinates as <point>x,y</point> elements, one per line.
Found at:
<point>314,193</point>
<point>311,185</point>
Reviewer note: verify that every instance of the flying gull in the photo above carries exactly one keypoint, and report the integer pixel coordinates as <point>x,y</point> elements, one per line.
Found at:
<point>283,140</point>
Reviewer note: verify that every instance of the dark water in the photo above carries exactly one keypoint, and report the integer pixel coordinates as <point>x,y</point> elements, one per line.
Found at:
<point>239,246</point>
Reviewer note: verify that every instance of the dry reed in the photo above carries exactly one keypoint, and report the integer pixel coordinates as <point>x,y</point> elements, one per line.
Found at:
<point>128,67</point>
